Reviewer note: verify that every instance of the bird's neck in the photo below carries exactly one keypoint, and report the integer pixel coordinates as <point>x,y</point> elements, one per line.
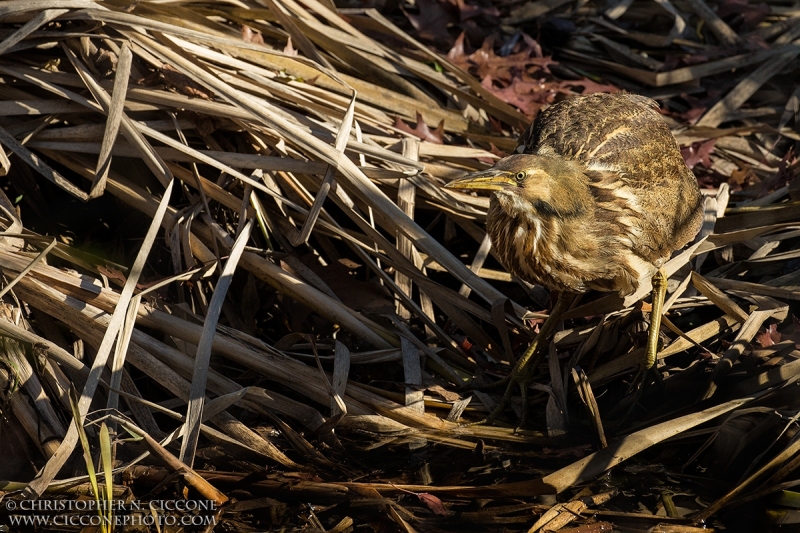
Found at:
<point>568,197</point>
<point>551,219</point>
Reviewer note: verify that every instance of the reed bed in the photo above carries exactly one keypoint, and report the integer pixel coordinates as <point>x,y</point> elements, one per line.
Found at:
<point>288,311</point>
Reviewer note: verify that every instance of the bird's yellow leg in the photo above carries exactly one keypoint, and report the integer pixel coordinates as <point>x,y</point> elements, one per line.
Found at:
<point>522,373</point>
<point>659,292</point>
<point>523,370</point>
<point>659,282</point>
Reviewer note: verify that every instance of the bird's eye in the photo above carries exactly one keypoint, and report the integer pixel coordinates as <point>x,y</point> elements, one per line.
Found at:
<point>520,176</point>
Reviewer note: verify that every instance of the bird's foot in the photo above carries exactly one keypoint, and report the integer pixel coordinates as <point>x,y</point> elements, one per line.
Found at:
<point>645,378</point>
<point>648,371</point>
<point>648,367</point>
<point>512,381</point>
<point>486,387</point>
<point>522,374</point>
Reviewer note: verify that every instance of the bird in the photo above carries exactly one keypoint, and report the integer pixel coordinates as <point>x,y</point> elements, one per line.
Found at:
<point>596,197</point>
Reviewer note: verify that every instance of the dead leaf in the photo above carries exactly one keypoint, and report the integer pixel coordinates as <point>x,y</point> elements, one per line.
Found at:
<point>527,96</point>
<point>422,130</point>
<point>749,14</point>
<point>497,151</point>
<point>250,36</point>
<point>525,62</point>
<point>457,53</point>
<point>699,153</point>
<point>770,336</point>
<point>433,20</point>
<point>433,503</point>
<point>444,393</point>
<point>112,274</point>
<point>741,178</point>
<point>289,49</point>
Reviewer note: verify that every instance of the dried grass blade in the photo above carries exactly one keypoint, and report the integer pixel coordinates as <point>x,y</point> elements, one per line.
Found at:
<point>583,470</point>
<point>191,477</point>
<point>258,266</point>
<point>51,469</point>
<point>685,74</point>
<point>341,369</point>
<point>44,421</point>
<point>556,412</point>
<point>124,340</point>
<point>719,298</point>
<point>90,323</point>
<point>498,318</point>
<point>671,266</point>
<point>300,38</point>
<point>305,293</point>
<point>749,329</point>
<point>28,418</point>
<point>406,194</point>
<point>770,378</point>
<point>412,372</point>
<point>745,89</point>
<point>40,166</point>
<point>499,108</point>
<point>42,18</point>
<point>106,460</point>
<point>77,422</point>
<point>365,189</point>
<point>115,114</point>
<point>693,337</point>
<point>203,356</point>
<point>5,162</point>
<point>147,153</point>
<point>342,137</point>
<point>217,160</point>
<point>28,268</point>
<point>720,240</point>
<point>74,366</point>
<point>23,6</point>
<point>781,459</point>
<point>440,364</point>
<point>590,403</point>
<point>756,288</point>
<point>713,208</point>
<point>717,25</point>
<point>558,516</point>
<point>621,450</point>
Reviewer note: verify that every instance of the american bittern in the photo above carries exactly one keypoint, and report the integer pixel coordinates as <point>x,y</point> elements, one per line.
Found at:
<point>597,199</point>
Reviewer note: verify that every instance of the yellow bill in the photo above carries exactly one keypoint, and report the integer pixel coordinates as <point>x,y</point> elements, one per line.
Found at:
<point>487,180</point>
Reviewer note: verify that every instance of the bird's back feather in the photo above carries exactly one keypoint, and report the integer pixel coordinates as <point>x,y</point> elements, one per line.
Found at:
<point>633,163</point>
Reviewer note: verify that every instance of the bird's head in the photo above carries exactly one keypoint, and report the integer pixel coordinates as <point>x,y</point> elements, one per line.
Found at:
<point>541,185</point>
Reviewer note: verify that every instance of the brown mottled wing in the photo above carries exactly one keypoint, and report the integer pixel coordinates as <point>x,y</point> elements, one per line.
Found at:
<point>623,137</point>
<point>620,130</point>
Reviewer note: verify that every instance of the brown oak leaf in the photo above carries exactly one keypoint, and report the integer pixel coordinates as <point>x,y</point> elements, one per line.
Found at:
<point>433,503</point>
<point>422,130</point>
<point>527,96</point>
<point>769,337</point>
<point>250,36</point>
<point>433,20</point>
<point>699,153</point>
